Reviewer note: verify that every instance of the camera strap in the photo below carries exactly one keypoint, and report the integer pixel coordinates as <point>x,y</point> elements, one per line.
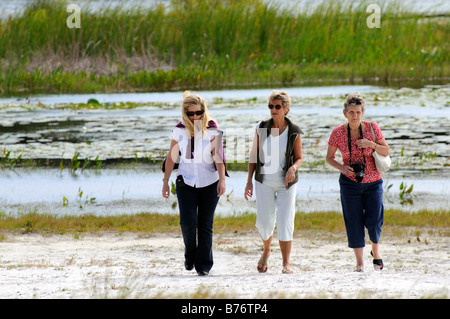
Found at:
<point>350,142</point>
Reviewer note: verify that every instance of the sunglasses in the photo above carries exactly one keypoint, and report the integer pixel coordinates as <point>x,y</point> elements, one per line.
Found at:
<point>354,102</point>
<point>274,106</point>
<point>188,113</point>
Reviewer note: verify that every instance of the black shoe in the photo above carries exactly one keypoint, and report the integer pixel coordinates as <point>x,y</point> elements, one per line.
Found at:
<point>188,266</point>
<point>377,263</point>
<point>202,273</point>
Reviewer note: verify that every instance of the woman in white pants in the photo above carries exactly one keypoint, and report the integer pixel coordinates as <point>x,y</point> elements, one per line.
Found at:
<point>275,158</point>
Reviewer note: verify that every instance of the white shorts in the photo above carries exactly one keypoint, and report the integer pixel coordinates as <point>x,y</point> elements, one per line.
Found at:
<point>268,198</point>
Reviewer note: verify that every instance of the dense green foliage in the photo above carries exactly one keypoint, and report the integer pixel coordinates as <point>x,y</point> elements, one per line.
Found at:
<point>212,44</point>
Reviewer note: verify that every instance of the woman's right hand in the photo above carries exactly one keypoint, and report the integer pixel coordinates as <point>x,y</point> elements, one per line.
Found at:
<point>348,171</point>
<point>248,190</point>
<point>165,190</point>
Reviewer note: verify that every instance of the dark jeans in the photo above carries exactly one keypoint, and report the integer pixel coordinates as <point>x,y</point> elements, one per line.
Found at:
<point>362,206</point>
<point>197,206</point>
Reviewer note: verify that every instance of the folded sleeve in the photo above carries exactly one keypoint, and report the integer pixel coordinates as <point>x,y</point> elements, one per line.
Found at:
<point>334,138</point>
<point>177,134</point>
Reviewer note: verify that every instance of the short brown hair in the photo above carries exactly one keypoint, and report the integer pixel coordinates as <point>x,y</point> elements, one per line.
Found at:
<point>354,99</point>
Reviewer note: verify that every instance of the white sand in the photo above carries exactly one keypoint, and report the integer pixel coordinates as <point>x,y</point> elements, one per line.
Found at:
<point>113,265</point>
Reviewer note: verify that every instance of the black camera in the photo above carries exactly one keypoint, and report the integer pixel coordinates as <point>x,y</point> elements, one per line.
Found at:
<point>359,171</point>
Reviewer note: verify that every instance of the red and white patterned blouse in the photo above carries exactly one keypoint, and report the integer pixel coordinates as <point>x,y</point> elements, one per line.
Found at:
<point>338,138</point>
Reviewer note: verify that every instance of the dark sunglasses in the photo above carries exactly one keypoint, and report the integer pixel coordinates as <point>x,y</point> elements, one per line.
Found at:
<point>274,106</point>
<point>354,102</point>
<point>188,113</point>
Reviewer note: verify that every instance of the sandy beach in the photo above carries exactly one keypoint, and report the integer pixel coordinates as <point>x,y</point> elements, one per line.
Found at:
<point>130,265</point>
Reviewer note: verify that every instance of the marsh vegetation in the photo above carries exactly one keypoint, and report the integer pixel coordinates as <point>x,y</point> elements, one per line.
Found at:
<point>211,44</point>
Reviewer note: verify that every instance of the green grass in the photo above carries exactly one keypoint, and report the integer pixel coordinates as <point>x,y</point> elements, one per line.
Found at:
<point>329,222</point>
<point>212,44</point>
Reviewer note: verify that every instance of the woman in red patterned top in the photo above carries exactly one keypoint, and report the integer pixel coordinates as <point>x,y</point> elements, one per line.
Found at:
<point>360,182</point>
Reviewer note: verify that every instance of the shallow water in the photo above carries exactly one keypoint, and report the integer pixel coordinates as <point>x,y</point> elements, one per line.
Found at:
<point>415,122</point>
<point>133,191</point>
<point>176,97</point>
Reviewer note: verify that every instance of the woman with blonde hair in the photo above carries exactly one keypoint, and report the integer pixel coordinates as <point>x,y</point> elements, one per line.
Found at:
<point>275,158</point>
<point>196,149</point>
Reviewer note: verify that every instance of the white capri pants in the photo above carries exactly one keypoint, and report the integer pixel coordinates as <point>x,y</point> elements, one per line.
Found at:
<point>268,198</point>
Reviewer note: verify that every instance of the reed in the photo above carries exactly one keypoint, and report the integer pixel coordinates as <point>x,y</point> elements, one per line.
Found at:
<point>211,44</point>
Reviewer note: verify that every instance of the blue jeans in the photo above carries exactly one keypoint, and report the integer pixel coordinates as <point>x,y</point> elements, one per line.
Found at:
<point>362,206</point>
<point>197,206</point>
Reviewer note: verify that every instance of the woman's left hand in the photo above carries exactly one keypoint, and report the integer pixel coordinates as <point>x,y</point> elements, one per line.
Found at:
<point>290,175</point>
<point>221,187</point>
<point>365,143</point>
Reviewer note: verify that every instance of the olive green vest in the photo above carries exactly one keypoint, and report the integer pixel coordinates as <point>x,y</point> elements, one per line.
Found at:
<point>293,132</point>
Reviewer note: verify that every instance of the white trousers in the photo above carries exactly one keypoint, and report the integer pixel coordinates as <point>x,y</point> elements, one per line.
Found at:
<point>269,197</point>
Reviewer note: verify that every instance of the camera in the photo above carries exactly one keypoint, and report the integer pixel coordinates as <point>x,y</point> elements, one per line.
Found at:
<point>359,171</point>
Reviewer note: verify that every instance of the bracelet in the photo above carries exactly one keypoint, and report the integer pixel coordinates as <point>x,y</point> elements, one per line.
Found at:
<point>165,180</point>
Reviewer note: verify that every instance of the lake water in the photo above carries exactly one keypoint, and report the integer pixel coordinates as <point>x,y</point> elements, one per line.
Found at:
<point>115,192</point>
<point>415,122</point>
<point>176,97</point>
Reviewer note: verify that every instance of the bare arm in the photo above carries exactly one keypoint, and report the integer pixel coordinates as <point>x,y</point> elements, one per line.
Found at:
<point>172,156</point>
<point>298,160</point>
<point>215,144</point>
<point>381,146</point>
<point>346,170</point>
<point>251,167</point>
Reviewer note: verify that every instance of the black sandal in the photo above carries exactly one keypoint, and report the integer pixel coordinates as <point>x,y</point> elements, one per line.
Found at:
<point>377,263</point>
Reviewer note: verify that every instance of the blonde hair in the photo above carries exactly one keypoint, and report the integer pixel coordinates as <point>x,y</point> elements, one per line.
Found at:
<point>354,97</point>
<point>283,96</point>
<point>189,100</point>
